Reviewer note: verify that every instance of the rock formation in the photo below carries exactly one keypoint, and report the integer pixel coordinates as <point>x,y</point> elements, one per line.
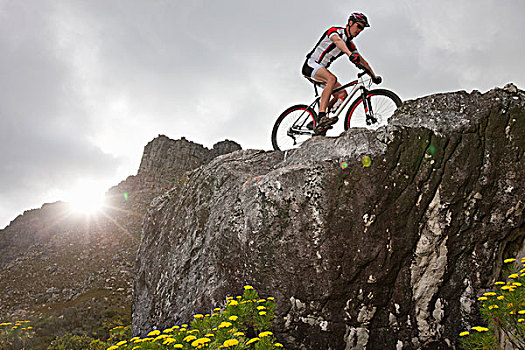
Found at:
<point>375,239</point>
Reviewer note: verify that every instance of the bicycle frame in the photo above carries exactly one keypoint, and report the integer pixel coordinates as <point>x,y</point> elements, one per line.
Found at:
<point>358,84</point>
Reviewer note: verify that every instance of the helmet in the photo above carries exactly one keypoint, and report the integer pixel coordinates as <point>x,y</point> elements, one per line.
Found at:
<point>359,17</point>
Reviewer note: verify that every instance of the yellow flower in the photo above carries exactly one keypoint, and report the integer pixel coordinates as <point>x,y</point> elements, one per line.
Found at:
<point>160,337</point>
<point>501,297</point>
<point>521,320</point>
<point>262,313</point>
<point>198,316</point>
<point>200,341</point>
<point>230,342</point>
<point>480,329</point>
<point>493,307</point>
<point>169,341</point>
<point>238,334</point>
<point>189,338</point>
<point>112,347</point>
<point>261,307</point>
<point>506,261</point>
<point>233,318</point>
<point>489,294</point>
<point>521,312</point>
<point>261,300</point>
<point>482,298</point>
<point>270,298</point>
<point>178,346</point>
<point>121,343</point>
<point>253,340</point>
<point>463,334</point>
<point>499,283</point>
<point>514,275</point>
<point>153,333</point>
<point>233,303</point>
<point>517,284</point>
<point>225,325</point>
<point>248,287</point>
<point>278,345</point>
<point>265,334</point>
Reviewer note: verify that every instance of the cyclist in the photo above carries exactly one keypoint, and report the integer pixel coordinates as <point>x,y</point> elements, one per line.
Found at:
<point>335,42</point>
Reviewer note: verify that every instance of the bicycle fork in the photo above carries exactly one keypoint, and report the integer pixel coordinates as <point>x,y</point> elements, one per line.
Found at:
<point>367,104</point>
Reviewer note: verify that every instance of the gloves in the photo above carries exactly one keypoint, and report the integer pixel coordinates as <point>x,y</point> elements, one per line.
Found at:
<point>377,79</point>
<point>355,58</point>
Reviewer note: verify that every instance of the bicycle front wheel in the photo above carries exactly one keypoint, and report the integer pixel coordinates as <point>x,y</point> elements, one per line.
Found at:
<point>383,102</point>
<point>294,126</point>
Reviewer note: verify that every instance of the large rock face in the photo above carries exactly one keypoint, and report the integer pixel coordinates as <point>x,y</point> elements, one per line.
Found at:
<point>375,239</point>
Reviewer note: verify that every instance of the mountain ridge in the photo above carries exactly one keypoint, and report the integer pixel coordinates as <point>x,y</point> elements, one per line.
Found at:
<point>72,273</point>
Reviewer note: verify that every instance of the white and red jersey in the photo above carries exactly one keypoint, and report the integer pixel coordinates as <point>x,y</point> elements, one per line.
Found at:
<point>325,51</point>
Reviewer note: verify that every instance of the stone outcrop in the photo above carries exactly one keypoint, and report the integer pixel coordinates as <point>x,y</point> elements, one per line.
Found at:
<point>163,162</point>
<point>375,239</point>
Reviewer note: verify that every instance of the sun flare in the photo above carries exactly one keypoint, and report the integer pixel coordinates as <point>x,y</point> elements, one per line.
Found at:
<point>87,198</point>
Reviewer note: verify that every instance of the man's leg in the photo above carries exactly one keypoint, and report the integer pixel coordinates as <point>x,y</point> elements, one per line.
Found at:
<point>323,75</point>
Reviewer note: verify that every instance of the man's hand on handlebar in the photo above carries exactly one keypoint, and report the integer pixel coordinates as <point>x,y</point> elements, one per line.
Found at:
<point>377,79</point>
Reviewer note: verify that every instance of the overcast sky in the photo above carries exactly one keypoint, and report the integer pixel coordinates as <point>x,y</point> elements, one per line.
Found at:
<point>84,85</point>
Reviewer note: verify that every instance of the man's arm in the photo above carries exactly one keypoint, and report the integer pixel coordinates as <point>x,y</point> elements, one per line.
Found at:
<point>365,64</point>
<point>341,45</point>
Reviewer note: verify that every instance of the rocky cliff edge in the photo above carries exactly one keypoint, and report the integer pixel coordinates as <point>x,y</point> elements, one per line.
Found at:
<point>374,239</point>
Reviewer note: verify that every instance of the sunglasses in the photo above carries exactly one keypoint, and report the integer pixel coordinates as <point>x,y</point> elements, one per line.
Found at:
<point>360,26</point>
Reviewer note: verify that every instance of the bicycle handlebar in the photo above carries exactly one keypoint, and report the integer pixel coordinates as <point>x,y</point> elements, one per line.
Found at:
<point>364,72</point>
<point>375,78</point>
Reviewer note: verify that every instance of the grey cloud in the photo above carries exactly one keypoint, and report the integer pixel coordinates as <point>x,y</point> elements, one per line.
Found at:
<point>85,84</point>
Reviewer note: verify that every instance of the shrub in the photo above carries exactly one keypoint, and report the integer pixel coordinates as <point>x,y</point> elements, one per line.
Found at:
<point>73,342</point>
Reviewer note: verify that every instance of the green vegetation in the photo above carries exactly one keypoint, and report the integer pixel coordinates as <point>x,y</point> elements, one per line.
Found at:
<point>70,341</point>
<point>503,310</point>
<point>15,335</point>
<point>244,322</point>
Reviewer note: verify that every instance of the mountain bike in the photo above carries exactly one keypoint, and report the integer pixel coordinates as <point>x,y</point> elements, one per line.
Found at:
<point>371,109</point>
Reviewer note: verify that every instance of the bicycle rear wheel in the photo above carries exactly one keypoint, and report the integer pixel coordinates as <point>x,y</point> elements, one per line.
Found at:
<point>383,102</point>
<point>294,126</point>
